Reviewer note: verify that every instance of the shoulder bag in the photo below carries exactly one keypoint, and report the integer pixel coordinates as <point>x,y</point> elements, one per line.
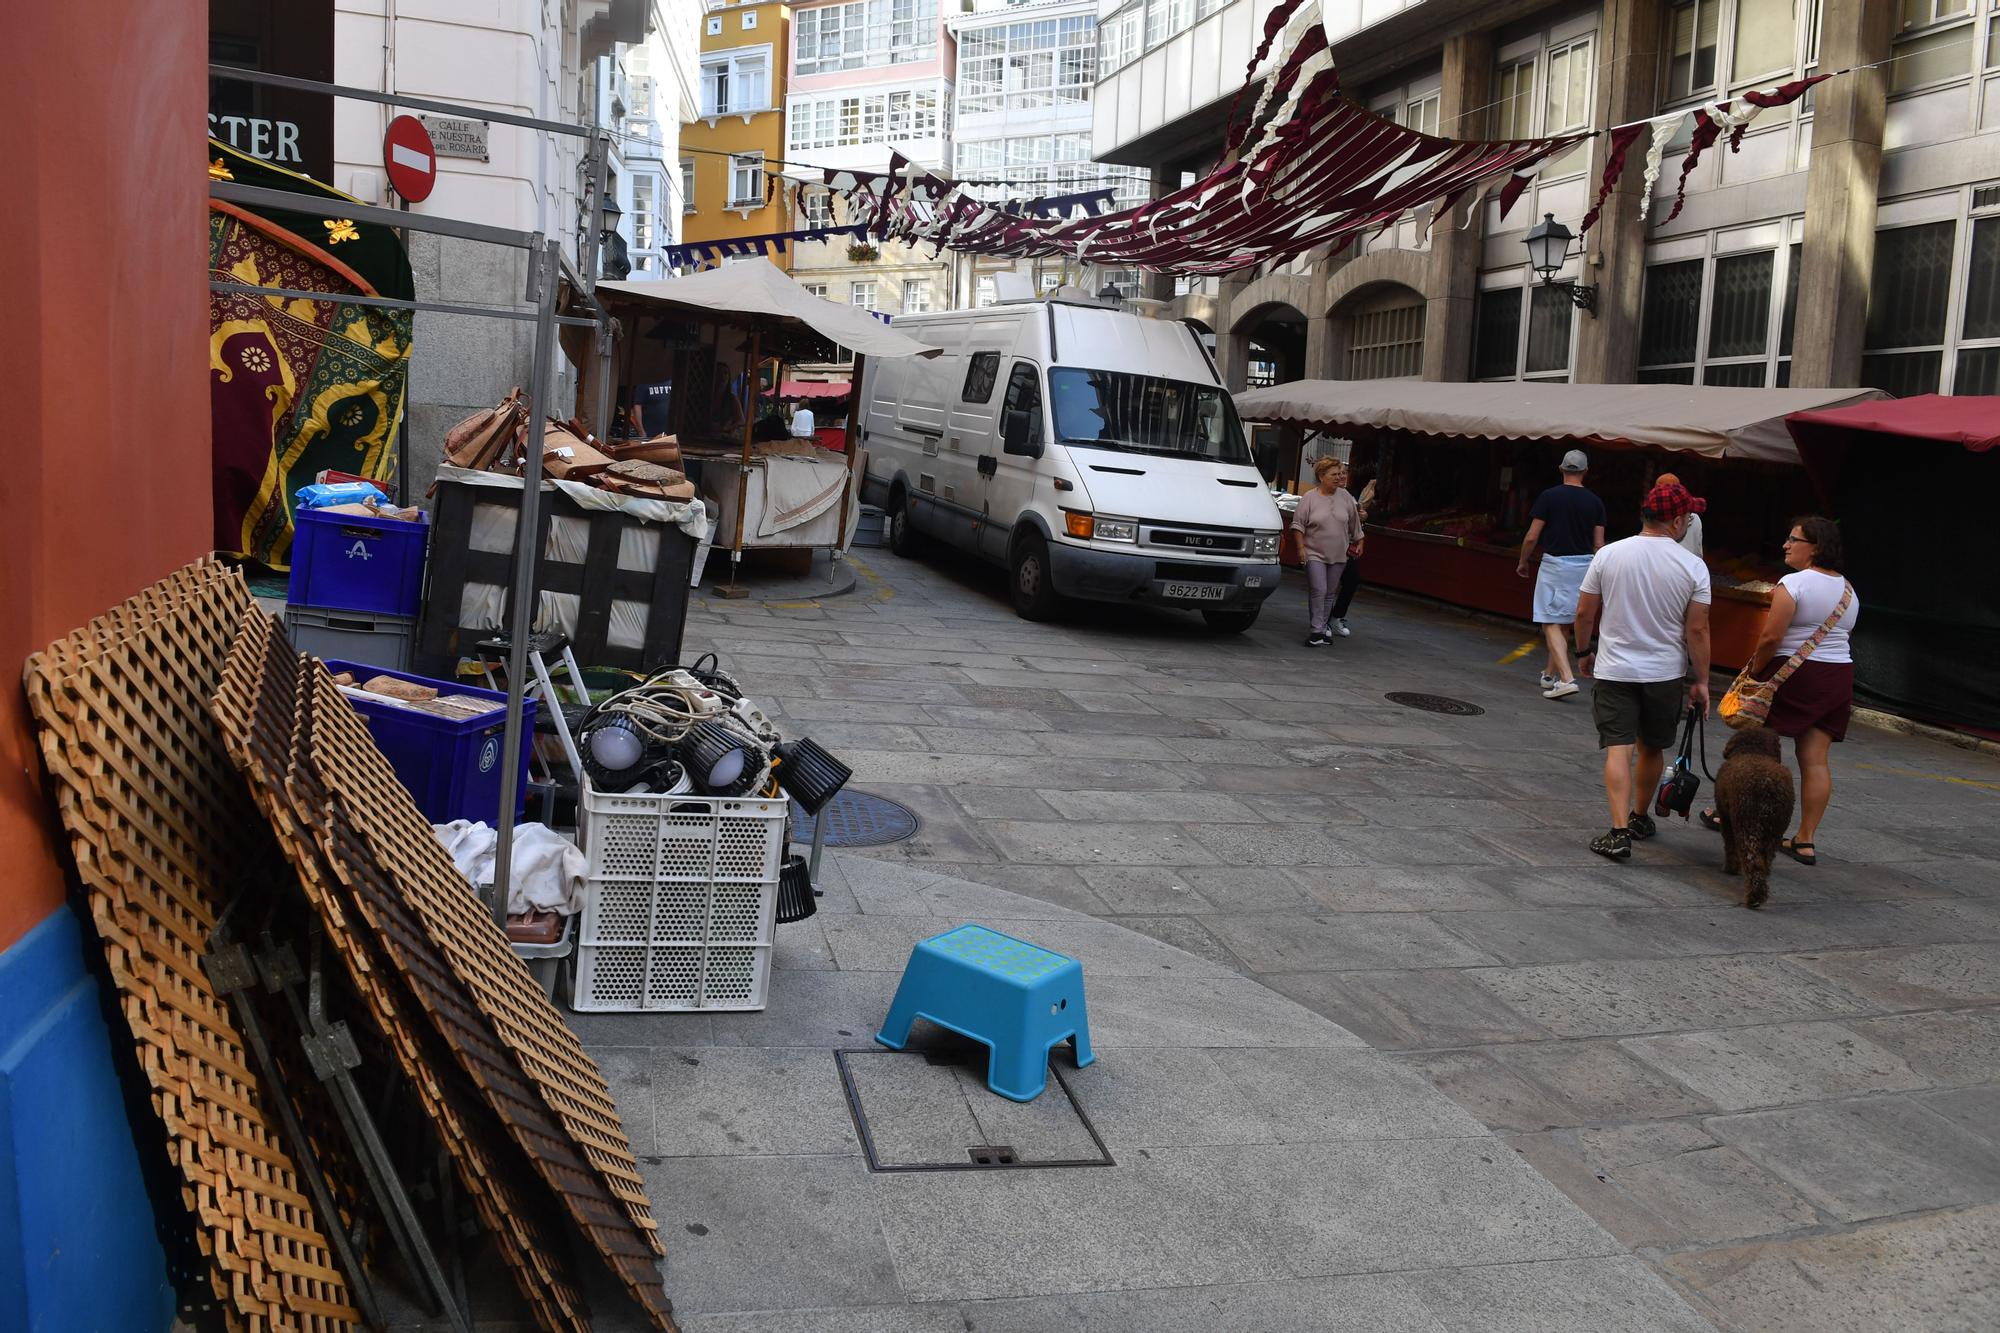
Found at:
<point>1748,703</point>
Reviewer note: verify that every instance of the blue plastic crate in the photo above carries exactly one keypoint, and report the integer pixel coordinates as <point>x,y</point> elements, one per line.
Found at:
<point>451,768</point>
<point>351,562</point>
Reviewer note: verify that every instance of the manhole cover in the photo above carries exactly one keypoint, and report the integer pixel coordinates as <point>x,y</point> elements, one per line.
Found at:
<point>1434,703</point>
<point>930,1110</point>
<point>857,819</point>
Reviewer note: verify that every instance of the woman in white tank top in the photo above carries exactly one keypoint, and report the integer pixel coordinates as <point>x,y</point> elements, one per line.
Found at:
<point>1815,702</point>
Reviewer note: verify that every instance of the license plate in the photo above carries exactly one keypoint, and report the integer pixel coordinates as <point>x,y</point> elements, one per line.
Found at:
<point>1197,592</point>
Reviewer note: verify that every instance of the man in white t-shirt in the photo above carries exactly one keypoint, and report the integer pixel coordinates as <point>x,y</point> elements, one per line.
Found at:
<point>1643,612</point>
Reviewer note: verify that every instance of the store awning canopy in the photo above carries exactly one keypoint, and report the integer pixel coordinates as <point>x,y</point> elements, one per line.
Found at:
<point>1971,422</point>
<point>750,291</point>
<point>803,389</point>
<point>1715,422</point>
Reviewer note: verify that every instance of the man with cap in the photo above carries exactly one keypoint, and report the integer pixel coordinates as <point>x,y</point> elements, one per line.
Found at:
<point>1642,631</point>
<point>1568,526</point>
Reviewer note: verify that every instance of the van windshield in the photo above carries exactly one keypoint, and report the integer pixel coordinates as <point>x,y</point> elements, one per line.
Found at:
<point>1144,414</point>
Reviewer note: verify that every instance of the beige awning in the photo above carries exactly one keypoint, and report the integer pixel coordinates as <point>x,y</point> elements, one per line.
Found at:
<point>755,288</point>
<point>1715,422</point>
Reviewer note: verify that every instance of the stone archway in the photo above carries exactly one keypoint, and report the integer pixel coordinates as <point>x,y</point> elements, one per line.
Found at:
<point>1376,332</point>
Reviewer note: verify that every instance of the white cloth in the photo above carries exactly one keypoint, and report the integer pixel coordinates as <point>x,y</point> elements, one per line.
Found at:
<point>1664,129</point>
<point>547,872</point>
<point>1646,584</point>
<point>802,423</point>
<point>1691,539</point>
<point>799,490</point>
<point>1816,594</point>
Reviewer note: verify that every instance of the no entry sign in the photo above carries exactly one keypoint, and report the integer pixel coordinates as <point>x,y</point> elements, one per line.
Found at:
<point>410,158</point>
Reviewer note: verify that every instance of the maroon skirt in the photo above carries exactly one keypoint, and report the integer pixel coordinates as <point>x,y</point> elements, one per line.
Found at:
<point>1818,694</point>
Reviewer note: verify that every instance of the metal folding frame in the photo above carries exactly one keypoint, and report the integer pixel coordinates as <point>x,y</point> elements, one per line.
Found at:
<point>547,267</point>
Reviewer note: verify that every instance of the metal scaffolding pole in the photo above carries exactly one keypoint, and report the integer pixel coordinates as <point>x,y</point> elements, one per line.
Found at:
<point>545,265</point>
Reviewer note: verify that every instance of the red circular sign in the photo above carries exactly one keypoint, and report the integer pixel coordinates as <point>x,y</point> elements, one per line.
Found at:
<point>411,159</point>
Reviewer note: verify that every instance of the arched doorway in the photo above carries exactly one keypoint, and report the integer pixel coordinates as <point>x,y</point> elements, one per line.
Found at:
<point>1378,333</point>
<point>1275,339</point>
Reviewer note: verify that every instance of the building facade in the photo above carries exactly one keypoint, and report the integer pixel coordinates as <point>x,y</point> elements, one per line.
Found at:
<point>727,186</point>
<point>868,78</point>
<point>1021,128</point>
<point>1852,239</point>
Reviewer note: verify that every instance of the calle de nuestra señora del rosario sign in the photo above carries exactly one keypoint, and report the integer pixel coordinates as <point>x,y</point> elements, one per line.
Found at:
<point>409,158</point>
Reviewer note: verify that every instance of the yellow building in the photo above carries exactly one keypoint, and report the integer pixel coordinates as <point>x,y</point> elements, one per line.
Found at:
<point>726,188</point>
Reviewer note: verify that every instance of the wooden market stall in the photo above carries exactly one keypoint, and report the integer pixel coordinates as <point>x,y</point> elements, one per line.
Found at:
<point>1457,466</point>
<point>697,356</point>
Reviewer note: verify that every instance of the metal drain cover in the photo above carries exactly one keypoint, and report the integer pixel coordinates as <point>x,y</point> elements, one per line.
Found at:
<point>858,819</point>
<point>1434,703</point>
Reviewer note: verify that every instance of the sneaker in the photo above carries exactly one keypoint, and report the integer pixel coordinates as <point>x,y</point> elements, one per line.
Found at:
<point>1340,628</point>
<point>1562,689</point>
<point>1316,639</point>
<point>1641,826</point>
<point>1550,682</point>
<point>1613,846</point>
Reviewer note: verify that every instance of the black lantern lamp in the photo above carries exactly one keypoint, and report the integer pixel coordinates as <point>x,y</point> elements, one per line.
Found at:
<point>720,762</point>
<point>614,261</point>
<point>1548,250</point>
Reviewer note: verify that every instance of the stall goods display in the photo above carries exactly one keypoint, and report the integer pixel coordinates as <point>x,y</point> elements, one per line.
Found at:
<point>495,440</point>
<point>159,826</point>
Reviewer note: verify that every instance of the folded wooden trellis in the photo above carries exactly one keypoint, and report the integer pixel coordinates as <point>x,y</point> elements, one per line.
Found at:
<point>165,831</point>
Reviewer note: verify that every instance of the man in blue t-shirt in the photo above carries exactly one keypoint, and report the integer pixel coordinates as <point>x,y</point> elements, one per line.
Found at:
<point>1568,527</point>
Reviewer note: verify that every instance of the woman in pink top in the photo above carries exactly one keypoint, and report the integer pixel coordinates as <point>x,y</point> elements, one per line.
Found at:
<point>1328,519</point>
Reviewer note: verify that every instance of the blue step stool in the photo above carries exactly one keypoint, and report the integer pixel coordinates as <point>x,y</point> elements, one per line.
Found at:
<point>1016,998</point>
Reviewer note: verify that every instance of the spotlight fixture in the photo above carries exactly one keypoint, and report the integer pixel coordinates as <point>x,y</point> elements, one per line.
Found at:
<point>720,762</point>
<point>615,752</point>
<point>796,899</point>
<point>808,774</point>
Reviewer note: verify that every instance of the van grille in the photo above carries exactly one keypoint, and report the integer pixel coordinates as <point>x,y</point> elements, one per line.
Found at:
<point>1194,540</point>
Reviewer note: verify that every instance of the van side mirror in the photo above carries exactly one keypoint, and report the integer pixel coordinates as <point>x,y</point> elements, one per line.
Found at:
<point>1017,435</point>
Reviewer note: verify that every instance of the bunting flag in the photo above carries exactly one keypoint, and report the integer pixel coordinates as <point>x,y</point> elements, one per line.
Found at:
<point>1713,119</point>
<point>1306,171</point>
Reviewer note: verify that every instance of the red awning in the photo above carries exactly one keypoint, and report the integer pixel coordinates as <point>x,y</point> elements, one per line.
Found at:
<point>1972,422</point>
<point>1826,436</point>
<point>800,389</point>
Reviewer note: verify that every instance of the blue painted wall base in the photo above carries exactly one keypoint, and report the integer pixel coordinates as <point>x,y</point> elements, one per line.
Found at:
<point>77,1245</point>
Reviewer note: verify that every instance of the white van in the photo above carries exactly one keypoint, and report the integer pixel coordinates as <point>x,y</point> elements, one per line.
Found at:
<point>1092,452</point>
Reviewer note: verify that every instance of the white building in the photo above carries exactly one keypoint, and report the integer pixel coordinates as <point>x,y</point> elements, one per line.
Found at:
<point>866,79</point>
<point>539,58</point>
<point>1022,123</point>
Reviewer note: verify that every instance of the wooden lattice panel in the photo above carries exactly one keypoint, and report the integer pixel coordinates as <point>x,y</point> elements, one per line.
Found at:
<point>511,1039</point>
<point>161,831</point>
<point>255,708</point>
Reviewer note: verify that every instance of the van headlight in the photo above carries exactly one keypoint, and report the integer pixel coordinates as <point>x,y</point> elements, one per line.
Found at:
<point>1117,529</point>
<point>1264,543</point>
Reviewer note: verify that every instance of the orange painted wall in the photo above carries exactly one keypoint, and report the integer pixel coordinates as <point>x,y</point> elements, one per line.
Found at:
<point>103,352</point>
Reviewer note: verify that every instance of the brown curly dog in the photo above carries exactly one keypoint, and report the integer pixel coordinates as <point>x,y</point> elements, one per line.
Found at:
<point>1753,799</point>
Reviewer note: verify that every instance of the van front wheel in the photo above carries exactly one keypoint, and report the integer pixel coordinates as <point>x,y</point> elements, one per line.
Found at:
<point>1033,592</point>
<point>1231,621</point>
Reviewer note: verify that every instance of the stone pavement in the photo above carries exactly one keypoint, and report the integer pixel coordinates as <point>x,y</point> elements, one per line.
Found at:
<point>1790,1115</point>
<point>1272,1173</point>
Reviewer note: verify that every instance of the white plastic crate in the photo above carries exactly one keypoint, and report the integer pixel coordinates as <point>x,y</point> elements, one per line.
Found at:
<point>679,903</point>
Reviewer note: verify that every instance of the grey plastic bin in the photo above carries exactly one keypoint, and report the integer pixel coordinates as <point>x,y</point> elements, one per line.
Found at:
<point>352,636</point>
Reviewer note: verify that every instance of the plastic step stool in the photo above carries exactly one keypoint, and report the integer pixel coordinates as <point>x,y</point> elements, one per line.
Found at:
<point>1016,998</point>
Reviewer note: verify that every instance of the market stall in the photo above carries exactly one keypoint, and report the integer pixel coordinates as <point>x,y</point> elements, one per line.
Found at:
<point>1457,467</point>
<point>1928,640</point>
<point>828,400</point>
<point>692,356</point>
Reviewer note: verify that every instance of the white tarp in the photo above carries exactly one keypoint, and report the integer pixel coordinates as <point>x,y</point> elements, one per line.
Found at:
<point>756,286</point>
<point>1716,422</point>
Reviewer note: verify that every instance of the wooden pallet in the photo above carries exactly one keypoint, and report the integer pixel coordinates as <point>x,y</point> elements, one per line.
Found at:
<point>161,829</point>
<point>255,707</point>
<point>509,1037</point>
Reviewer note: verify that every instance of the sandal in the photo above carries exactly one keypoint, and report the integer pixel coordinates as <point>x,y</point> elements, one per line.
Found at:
<point>1710,820</point>
<point>1802,852</point>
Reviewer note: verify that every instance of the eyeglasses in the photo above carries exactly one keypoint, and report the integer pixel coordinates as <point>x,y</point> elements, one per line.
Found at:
<point>1800,541</point>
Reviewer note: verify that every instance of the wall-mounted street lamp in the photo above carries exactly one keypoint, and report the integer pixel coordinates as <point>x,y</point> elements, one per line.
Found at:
<point>1548,250</point>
